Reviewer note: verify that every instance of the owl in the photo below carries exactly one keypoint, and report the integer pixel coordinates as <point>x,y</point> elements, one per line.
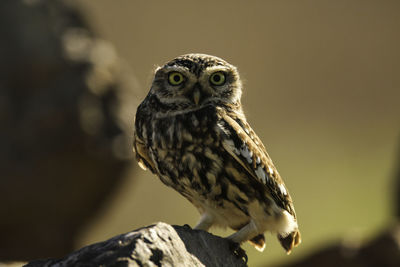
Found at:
<point>191,132</point>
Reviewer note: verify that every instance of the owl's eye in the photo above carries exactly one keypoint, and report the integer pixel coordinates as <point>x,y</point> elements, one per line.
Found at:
<point>217,78</point>
<point>175,78</point>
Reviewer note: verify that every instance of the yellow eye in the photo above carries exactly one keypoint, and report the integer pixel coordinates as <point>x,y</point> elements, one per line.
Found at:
<point>175,78</point>
<point>217,78</point>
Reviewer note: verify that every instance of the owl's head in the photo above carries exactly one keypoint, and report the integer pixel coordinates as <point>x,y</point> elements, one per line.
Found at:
<point>196,80</point>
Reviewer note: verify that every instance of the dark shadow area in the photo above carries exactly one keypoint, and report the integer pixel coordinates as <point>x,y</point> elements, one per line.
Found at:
<point>59,158</point>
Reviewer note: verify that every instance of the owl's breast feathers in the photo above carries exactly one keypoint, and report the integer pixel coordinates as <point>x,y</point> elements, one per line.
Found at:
<point>207,133</point>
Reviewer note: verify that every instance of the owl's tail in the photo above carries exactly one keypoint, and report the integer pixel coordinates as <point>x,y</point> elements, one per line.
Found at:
<point>290,241</point>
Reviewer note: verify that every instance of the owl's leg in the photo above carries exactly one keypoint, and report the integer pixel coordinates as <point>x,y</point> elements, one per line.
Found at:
<point>246,233</point>
<point>205,222</point>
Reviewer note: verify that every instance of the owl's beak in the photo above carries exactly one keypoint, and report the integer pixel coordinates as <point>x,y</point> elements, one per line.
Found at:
<point>196,93</point>
<point>196,96</point>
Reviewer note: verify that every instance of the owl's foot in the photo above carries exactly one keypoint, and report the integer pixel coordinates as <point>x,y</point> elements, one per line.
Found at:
<point>258,242</point>
<point>237,250</point>
<point>290,241</point>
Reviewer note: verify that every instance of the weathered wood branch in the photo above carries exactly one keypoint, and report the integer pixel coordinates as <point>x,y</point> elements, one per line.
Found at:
<point>156,245</point>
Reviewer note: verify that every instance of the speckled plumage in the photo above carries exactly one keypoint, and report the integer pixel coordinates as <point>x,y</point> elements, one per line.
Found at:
<point>191,132</point>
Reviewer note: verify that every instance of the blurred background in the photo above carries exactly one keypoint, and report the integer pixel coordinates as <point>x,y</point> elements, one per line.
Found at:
<point>321,89</point>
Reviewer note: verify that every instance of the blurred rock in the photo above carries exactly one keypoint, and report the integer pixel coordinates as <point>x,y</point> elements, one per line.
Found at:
<point>156,245</point>
<point>66,102</point>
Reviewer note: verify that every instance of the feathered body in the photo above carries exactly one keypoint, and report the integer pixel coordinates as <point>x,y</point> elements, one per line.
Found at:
<point>191,132</point>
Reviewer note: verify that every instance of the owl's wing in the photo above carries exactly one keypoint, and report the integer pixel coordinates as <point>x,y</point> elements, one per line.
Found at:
<point>242,143</point>
<point>142,151</point>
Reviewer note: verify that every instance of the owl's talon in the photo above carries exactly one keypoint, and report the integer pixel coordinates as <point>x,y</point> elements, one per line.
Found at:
<point>238,251</point>
<point>187,226</point>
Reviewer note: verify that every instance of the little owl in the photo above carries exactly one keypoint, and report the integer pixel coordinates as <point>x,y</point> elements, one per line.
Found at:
<point>191,132</point>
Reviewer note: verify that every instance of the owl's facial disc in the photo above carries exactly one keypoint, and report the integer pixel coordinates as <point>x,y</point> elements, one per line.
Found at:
<point>193,81</point>
<point>221,84</point>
